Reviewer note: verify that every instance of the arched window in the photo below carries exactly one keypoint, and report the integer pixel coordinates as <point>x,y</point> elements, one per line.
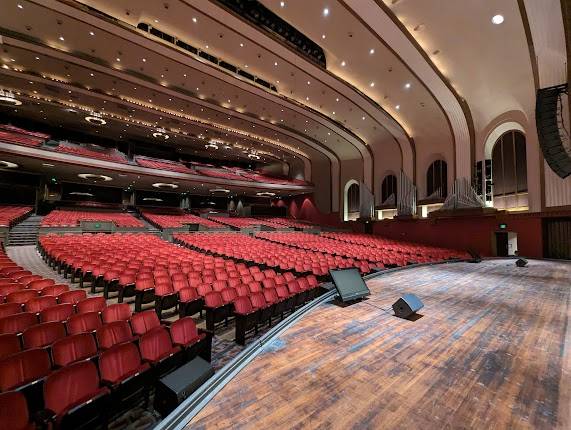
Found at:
<point>509,171</point>
<point>389,190</point>
<point>437,179</point>
<point>352,203</point>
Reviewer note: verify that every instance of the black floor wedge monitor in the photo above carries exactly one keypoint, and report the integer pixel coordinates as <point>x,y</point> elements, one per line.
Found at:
<point>349,284</point>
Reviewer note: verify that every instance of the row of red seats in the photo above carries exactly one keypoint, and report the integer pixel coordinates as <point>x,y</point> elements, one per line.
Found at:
<point>93,151</point>
<point>222,174</point>
<point>287,222</point>
<point>155,163</point>
<point>11,214</point>
<point>243,222</point>
<point>413,249</point>
<point>11,134</point>
<point>62,218</point>
<point>271,254</point>
<point>378,256</point>
<point>177,221</point>
<point>108,367</point>
<point>148,268</point>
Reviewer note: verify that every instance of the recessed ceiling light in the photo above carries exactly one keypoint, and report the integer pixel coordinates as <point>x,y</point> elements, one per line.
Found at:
<point>325,12</point>
<point>497,19</point>
<point>363,118</point>
<point>308,82</point>
<point>372,84</point>
<point>7,165</point>
<point>371,51</point>
<point>333,112</point>
<point>91,74</point>
<point>397,107</point>
<point>337,99</point>
<point>37,58</point>
<point>165,185</point>
<point>407,85</point>
<point>48,165</point>
<point>282,4</point>
<point>343,63</point>
<point>95,118</point>
<point>93,177</point>
<point>156,20</point>
<point>7,98</point>
<point>161,133</point>
<point>61,38</point>
<point>91,33</point>
<point>246,66</point>
<point>20,6</point>
<point>118,59</point>
<point>194,19</point>
<point>144,60</point>
<point>323,36</point>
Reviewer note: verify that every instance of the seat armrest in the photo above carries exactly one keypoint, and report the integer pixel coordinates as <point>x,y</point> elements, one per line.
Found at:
<point>44,417</point>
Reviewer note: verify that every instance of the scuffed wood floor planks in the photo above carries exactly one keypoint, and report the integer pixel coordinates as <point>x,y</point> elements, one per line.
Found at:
<point>488,353</point>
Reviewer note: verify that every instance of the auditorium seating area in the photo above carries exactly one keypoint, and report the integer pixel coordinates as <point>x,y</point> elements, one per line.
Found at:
<point>177,220</point>
<point>63,218</point>
<point>280,257</point>
<point>10,215</point>
<point>175,278</point>
<point>288,222</point>
<point>244,222</point>
<point>92,151</point>
<point>399,255</point>
<point>154,163</point>
<point>19,136</point>
<point>222,174</point>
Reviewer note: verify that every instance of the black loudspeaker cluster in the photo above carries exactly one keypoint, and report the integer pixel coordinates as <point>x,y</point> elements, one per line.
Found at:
<point>549,120</point>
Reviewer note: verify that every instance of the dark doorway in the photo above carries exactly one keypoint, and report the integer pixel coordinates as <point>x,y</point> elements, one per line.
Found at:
<point>502,243</point>
<point>557,238</point>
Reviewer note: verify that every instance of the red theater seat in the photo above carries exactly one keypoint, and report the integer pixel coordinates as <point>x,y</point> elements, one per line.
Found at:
<point>57,313</point>
<point>116,312</point>
<point>7,309</point>
<point>14,413</point>
<point>91,304</point>
<point>24,368</point>
<point>54,290</point>
<point>113,333</point>
<point>83,323</point>
<point>21,296</point>
<point>9,344</point>
<point>194,341</point>
<point>74,348</point>
<point>73,297</point>
<point>157,349</point>
<point>42,335</point>
<point>17,323</point>
<point>37,304</point>
<point>75,398</point>
<point>190,302</point>
<point>40,284</point>
<point>144,322</point>
<point>246,316</point>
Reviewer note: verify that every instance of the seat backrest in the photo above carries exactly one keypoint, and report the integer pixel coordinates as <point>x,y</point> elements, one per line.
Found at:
<point>242,290</point>
<point>113,333</point>
<point>17,323</point>
<point>269,283</point>
<point>258,300</point>
<point>228,295</point>
<point>9,344</point>
<point>203,289</point>
<point>255,287</point>
<point>54,290</point>
<point>14,411</point>
<point>23,367</point>
<point>57,313</point>
<point>155,343</point>
<point>44,334</point>
<point>293,287</point>
<point>213,300</point>
<point>10,288</point>
<point>282,291</point>
<point>73,296</point>
<point>183,331</point>
<point>21,296</point>
<point>91,304</point>
<point>7,309</point>
<point>37,304</point>
<point>142,322</point>
<point>83,323</point>
<point>67,386</point>
<point>39,284</point>
<point>116,312</point>
<point>243,305</point>
<point>188,294</point>
<point>73,348</point>
<point>219,285</point>
<point>118,362</point>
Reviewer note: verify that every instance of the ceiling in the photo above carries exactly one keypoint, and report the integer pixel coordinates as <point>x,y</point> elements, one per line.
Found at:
<point>396,95</point>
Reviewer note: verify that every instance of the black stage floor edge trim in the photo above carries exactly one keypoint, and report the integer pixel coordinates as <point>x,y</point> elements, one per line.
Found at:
<point>188,409</point>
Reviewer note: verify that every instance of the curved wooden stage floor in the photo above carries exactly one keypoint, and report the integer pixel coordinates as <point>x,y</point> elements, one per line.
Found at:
<point>491,351</point>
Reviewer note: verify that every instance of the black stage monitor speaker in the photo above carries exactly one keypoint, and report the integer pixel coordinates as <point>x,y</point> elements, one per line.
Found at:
<point>179,384</point>
<point>521,262</point>
<point>349,284</point>
<point>407,305</point>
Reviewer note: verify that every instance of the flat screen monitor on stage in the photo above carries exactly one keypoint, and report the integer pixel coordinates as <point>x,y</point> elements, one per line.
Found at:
<point>349,284</point>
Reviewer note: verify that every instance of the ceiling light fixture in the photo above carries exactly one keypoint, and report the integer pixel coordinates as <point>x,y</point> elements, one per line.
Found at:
<point>48,165</point>
<point>7,98</point>
<point>152,199</point>
<point>7,165</point>
<point>94,177</point>
<point>326,12</point>
<point>80,193</point>
<point>91,33</point>
<point>254,156</point>
<point>343,63</point>
<point>282,4</point>
<point>407,85</point>
<point>397,107</point>
<point>497,19</point>
<point>371,51</point>
<point>194,19</point>
<point>372,84</point>
<point>61,38</point>
<point>161,133</point>
<point>219,190</point>
<point>20,6</point>
<point>265,194</point>
<point>95,118</point>
<point>165,185</point>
